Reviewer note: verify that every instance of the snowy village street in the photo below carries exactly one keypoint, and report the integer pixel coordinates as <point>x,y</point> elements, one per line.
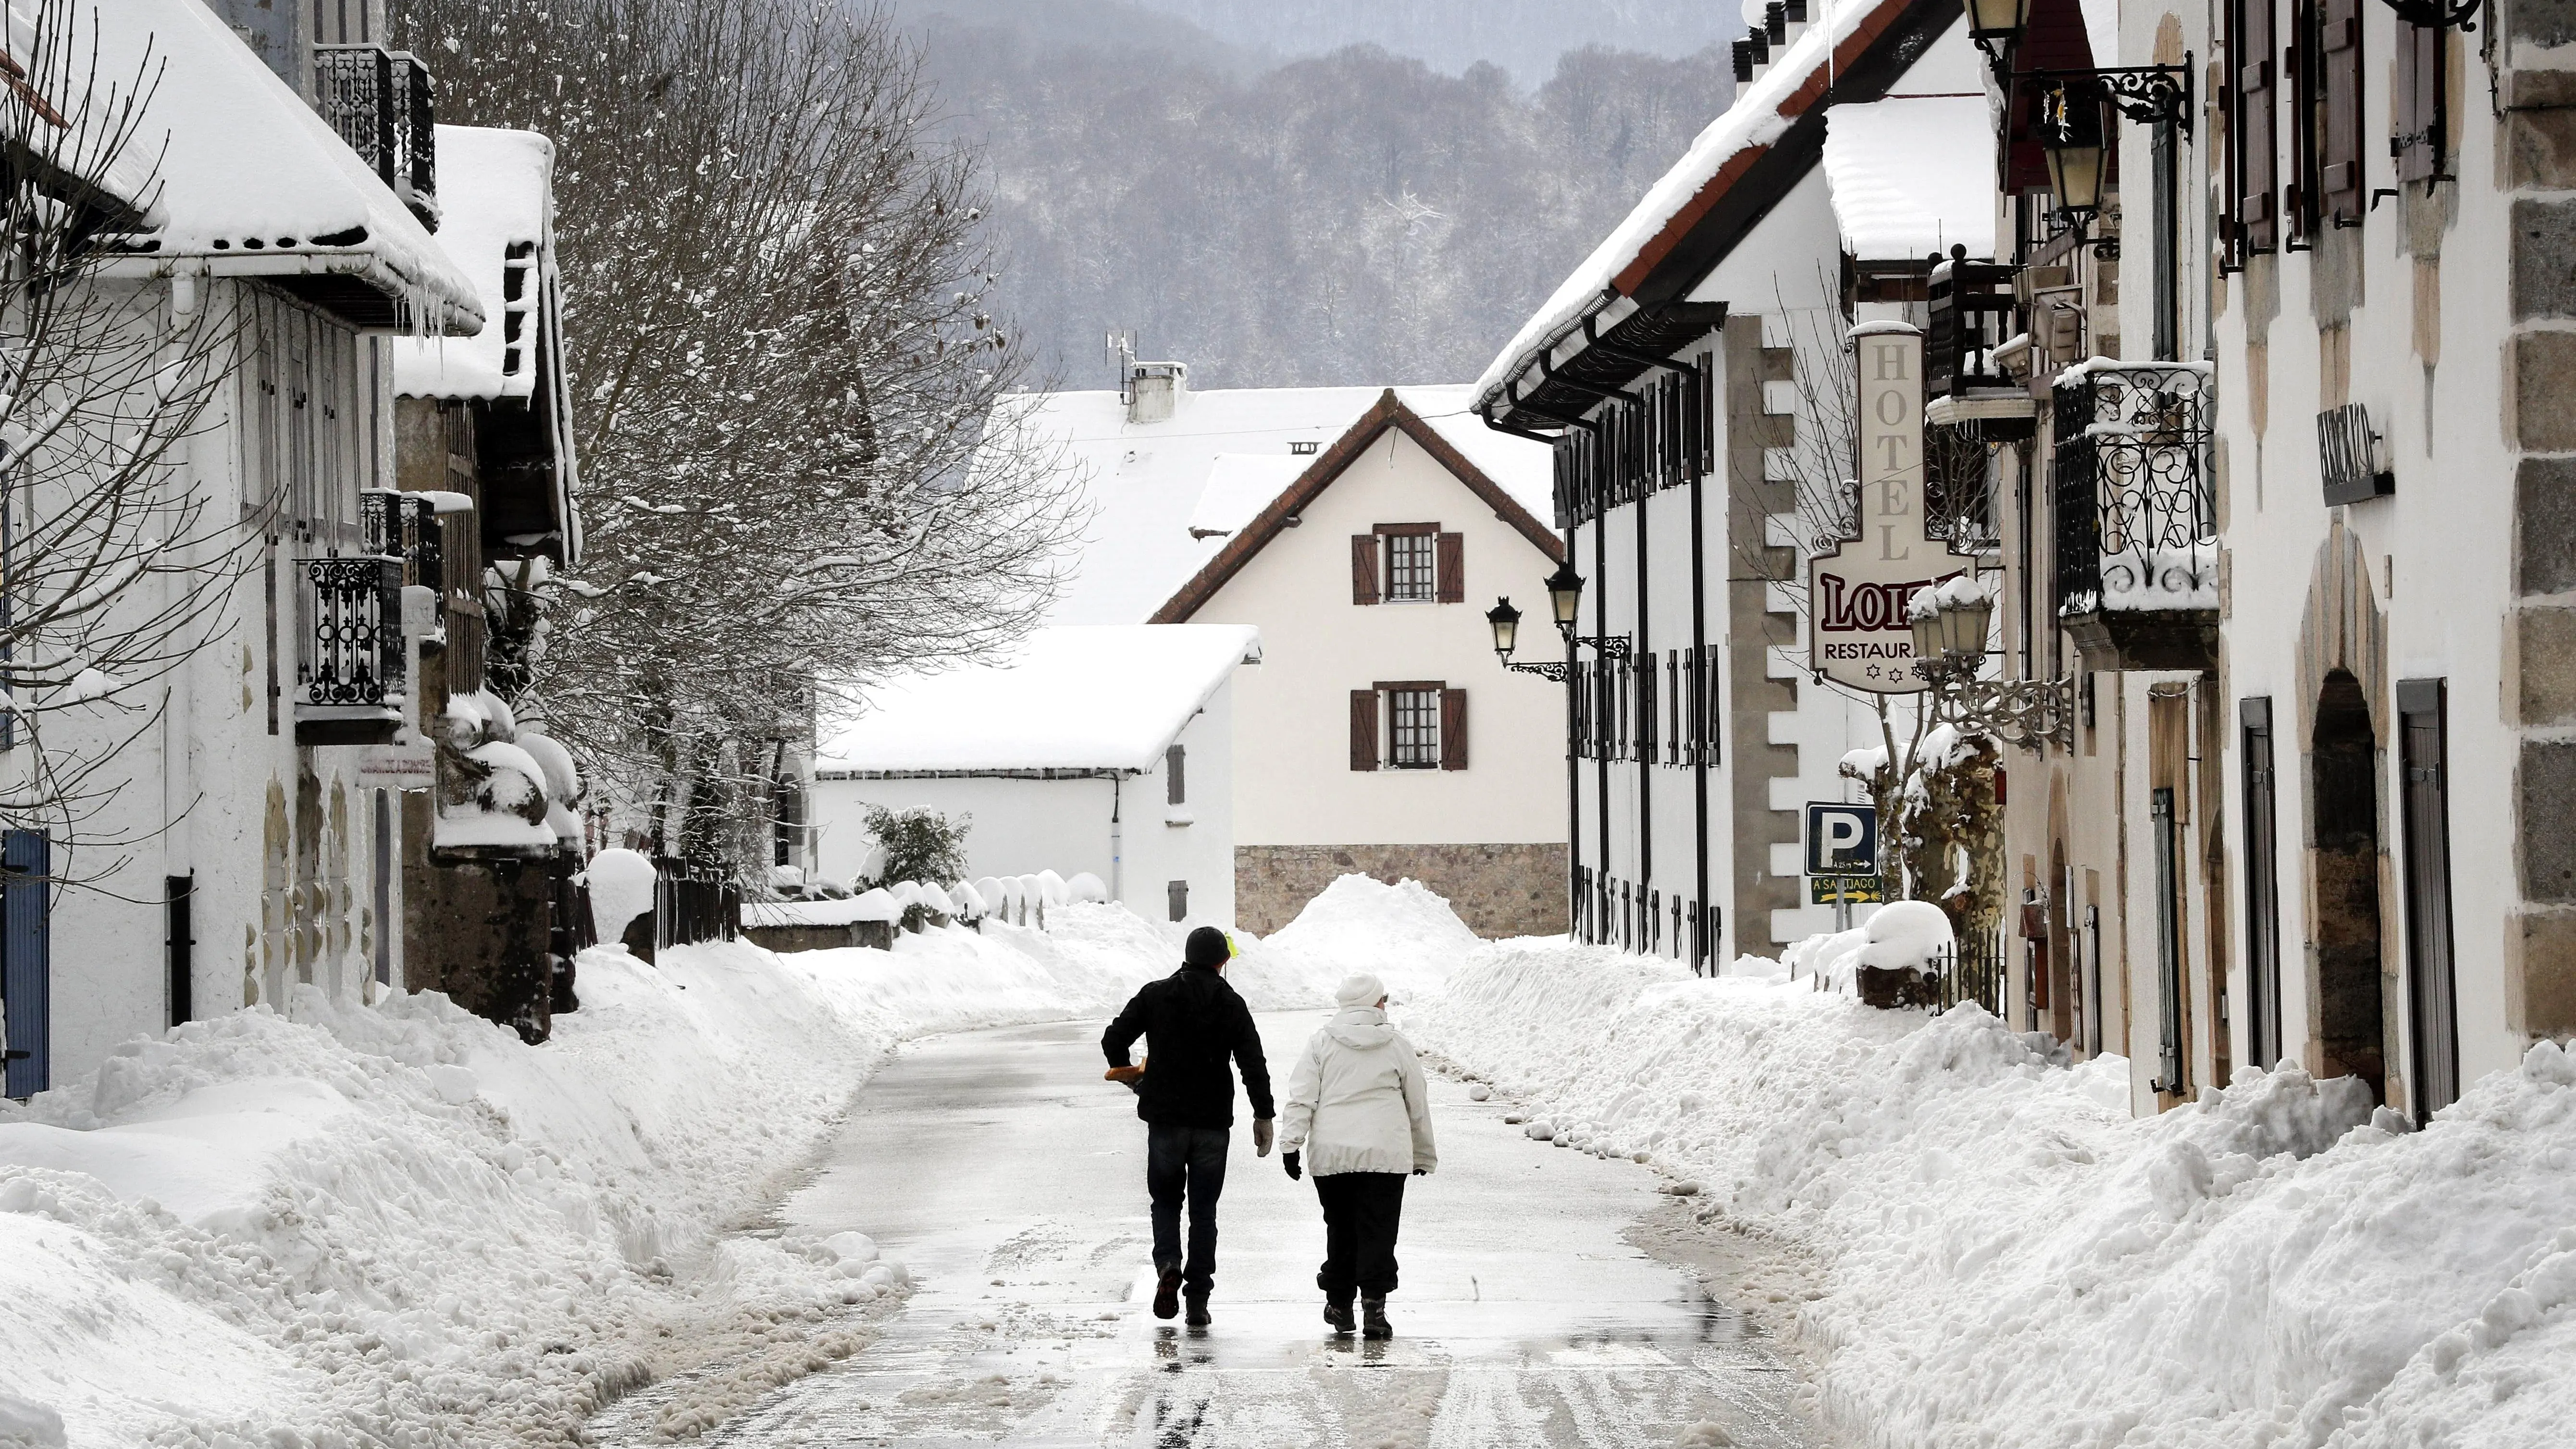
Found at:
<point>1010,1178</point>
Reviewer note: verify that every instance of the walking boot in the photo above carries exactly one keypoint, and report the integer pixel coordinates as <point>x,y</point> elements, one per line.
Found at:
<point>1198,1314</point>
<point>1373,1317</point>
<point>1337,1312</point>
<point>1167,1294</point>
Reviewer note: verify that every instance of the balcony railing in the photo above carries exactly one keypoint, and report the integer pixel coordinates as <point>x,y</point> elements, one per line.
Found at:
<point>382,103</point>
<point>1973,314</point>
<point>2137,530</point>
<point>351,671</point>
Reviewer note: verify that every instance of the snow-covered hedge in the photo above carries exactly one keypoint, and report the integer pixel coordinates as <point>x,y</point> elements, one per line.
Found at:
<point>2007,1258</point>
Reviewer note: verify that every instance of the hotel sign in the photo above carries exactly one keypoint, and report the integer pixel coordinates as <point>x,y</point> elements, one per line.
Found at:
<point>1858,593</point>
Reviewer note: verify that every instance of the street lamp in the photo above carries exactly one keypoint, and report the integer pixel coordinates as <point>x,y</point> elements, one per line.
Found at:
<point>1564,595</point>
<point>1950,624</point>
<point>2075,140</point>
<point>1996,24</point>
<point>1506,623</point>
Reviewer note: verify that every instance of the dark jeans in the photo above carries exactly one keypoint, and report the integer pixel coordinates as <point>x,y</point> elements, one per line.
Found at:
<point>1191,1160</point>
<point>1361,1210</point>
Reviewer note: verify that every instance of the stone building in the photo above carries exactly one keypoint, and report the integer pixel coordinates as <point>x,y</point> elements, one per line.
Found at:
<point>484,459</point>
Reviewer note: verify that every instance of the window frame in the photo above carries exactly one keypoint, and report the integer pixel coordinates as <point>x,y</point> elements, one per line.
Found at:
<point>1426,695</point>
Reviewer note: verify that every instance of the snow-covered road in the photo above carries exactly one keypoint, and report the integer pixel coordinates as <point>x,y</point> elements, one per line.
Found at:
<point>1011,1179</point>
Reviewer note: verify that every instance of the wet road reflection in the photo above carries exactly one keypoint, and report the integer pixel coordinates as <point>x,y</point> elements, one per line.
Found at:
<point>1011,1180</point>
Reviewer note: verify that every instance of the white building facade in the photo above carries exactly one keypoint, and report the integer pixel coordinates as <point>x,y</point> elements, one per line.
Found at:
<point>238,850</point>
<point>1687,375</point>
<point>1213,506</point>
<point>1381,735</point>
<point>1105,749</point>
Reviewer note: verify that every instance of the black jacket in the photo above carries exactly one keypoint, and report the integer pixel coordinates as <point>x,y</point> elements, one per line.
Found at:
<point>1192,1021</point>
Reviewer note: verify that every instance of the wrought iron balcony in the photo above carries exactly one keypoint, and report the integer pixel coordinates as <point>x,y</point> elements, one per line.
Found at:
<point>2137,525</point>
<point>352,670</point>
<point>382,102</point>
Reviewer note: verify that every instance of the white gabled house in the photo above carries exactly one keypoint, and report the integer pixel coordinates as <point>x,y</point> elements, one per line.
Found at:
<point>1103,748</point>
<point>1687,372</point>
<point>244,852</point>
<point>1364,532</point>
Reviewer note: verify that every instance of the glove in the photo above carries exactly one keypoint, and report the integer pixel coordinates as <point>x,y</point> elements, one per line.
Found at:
<point>1261,1137</point>
<point>1289,1161</point>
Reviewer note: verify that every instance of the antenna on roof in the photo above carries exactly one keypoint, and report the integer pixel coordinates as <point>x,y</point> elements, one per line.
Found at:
<point>1119,349</point>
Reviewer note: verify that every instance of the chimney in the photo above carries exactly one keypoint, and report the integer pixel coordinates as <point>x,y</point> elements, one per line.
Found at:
<point>1155,390</point>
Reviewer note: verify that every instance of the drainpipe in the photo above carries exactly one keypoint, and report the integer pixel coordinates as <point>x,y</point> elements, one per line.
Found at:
<point>1117,842</point>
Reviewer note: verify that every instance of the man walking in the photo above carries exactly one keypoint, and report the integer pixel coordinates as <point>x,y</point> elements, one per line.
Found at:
<point>1193,1024</point>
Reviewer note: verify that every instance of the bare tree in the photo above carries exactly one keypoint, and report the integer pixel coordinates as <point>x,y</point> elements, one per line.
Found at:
<point>117,566</point>
<point>788,377</point>
<point>1921,808</point>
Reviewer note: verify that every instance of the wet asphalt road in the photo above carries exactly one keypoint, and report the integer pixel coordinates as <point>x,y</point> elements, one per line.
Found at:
<point>1011,1179</point>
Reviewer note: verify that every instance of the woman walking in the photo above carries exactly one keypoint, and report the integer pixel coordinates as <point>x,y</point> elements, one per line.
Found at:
<point>1359,1115</point>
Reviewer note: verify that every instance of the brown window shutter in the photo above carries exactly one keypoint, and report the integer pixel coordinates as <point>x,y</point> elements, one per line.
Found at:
<point>2416,108</point>
<point>1364,568</point>
<point>1363,729</point>
<point>2340,186</point>
<point>1453,729</point>
<point>2257,138</point>
<point>1449,569</point>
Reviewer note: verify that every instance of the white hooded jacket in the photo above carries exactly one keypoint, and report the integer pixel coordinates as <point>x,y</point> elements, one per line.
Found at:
<point>1357,1101</point>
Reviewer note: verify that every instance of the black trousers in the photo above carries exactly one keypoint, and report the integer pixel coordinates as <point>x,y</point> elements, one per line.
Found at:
<point>1185,1161</point>
<point>1361,1210</point>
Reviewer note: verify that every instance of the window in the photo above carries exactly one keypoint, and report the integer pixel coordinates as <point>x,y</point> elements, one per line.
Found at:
<point>2432,996</point>
<point>1176,897</point>
<point>1412,563</point>
<point>2262,886</point>
<point>2417,107</point>
<point>1175,781</point>
<point>1414,735</point>
<point>2252,141</point>
<point>1425,726</point>
<point>1409,575</point>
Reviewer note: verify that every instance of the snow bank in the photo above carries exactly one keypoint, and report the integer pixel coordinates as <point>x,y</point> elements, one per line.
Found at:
<point>2007,1258</point>
<point>399,1225</point>
<point>1402,932</point>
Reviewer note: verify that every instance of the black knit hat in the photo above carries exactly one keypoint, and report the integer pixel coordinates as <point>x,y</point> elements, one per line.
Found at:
<point>1207,947</point>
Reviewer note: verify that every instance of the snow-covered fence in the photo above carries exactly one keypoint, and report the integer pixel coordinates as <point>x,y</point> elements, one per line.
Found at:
<point>692,903</point>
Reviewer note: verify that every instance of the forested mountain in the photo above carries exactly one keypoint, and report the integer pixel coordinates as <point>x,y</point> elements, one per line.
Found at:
<point>1345,218</point>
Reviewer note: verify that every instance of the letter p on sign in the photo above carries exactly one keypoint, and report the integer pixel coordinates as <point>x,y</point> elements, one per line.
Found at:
<point>1842,839</point>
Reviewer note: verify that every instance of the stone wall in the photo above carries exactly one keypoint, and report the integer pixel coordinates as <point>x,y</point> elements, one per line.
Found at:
<point>1498,890</point>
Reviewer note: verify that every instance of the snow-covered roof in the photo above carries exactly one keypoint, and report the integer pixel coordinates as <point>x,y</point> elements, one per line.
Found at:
<point>1799,78</point>
<point>90,102</point>
<point>1911,176</point>
<point>252,181</point>
<point>495,193</point>
<point>1328,467</point>
<point>1240,485</point>
<point>1070,697</point>
<point>1145,481</point>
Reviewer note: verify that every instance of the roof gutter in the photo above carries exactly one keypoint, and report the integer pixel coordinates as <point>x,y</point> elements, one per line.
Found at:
<point>363,264</point>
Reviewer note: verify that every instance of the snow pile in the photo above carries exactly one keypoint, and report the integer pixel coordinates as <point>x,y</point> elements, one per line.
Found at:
<point>2007,1258</point>
<point>1403,933</point>
<point>400,1225</point>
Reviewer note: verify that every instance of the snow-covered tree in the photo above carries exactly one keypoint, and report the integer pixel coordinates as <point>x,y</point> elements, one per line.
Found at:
<point>783,359</point>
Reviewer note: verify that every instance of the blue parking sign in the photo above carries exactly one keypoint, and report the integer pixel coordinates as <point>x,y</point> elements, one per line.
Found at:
<point>1841,839</point>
